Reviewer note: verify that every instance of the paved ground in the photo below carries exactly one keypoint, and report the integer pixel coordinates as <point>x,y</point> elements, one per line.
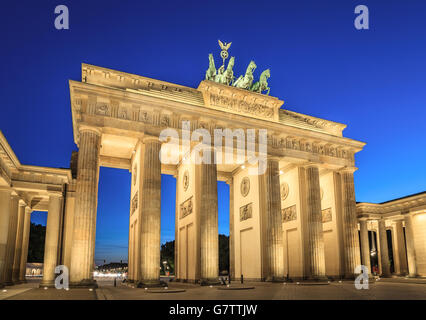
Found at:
<point>381,290</point>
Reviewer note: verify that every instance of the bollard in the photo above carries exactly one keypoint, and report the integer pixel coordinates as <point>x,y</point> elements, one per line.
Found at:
<point>115,282</point>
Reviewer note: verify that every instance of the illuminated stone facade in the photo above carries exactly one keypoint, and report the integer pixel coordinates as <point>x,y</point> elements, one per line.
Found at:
<point>296,220</point>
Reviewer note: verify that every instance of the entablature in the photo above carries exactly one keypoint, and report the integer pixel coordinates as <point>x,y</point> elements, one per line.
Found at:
<point>109,108</point>
<point>394,209</point>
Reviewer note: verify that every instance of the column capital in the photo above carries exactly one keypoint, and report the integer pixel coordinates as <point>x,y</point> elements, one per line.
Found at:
<point>14,197</point>
<point>6,188</point>
<point>55,194</point>
<point>151,139</point>
<point>273,158</point>
<point>347,170</point>
<point>85,128</point>
<point>309,164</point>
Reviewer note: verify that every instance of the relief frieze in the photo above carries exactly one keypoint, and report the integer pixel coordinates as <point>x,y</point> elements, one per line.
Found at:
<point>289,214</point>
<point>241,106</point>
<point>134,202</point>
<point>326,215</point>
<point>186,208</point>
<point>246,212</point>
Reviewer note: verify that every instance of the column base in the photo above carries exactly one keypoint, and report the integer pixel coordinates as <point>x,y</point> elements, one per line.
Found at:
<point>275,279</point>
<point>319,279</point>
<point>86,283</point>
<point>47,284</point>
<point>150,284</point>
<point>209,282</point>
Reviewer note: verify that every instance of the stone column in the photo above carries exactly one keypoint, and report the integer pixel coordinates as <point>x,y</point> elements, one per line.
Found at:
<point>176,253</point>
<point>150,223</point>
<point>5,195</point>
<point>18,244</point>
<point>231,229</point>
<point>411,250</point>
<point>384,252</point>
<point>209,257</point>
<point>365,245</point>
<point>83,247</point>
<point>315,239</point>
<point>25,243</point>
<point>274,232</point>
<point>352,257</point>
<point>11,239</point>
<point>400,246</point>
<point>51,245</point>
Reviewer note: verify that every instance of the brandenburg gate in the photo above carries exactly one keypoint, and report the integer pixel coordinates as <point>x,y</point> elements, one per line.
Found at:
<point>295,218</point>
<point>117,120</point>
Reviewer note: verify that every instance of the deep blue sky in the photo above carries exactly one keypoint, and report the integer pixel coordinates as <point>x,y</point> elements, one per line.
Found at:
<point>372,80</point>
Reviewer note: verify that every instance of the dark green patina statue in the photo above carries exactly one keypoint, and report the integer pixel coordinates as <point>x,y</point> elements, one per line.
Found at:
<point>226,76</point>
<point>262,84</point>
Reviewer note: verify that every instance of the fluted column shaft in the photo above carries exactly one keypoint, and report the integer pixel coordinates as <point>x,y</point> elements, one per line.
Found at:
<point>365,245</point>
<point>83,247</point>
<point>51,245</point>
<point>231,230</point>
<point>316,261</point>
<point>177,270</point>
<point>25,243</point>
<point>18,244</point>
<point>151,212</point>
<point>11,239</point>
<point>411,250</point>
<point>384,252</point>
<point>352,257</point>
<point>209,220</point>
<point>274,232</point>
<point>399,247</point>
<point>5,195</point>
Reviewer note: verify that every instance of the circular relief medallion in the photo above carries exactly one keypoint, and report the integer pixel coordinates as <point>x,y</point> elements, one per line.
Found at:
<point>135,174</point>
<point>245,186</point>
<point>284,190</point>
<point>185,180</point>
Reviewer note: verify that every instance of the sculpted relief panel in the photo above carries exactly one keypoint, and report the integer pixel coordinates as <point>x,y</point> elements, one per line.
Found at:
<point>186,208</point>
<point>241,106</point>
<point>246,212</point>
<point>134,202</point>
<point>284,190</point>
<point>326,215</point>
<point>289,214</point>
<point>185,180</point>
<point>245,186</point>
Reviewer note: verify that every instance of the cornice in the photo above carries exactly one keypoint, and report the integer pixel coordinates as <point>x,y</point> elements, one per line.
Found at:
<point>393,208</point>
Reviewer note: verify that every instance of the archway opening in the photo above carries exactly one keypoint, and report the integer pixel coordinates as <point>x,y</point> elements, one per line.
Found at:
<point>36,242</point>
<point>168,210</point>
<point>223,226</point>
<point>112,223</point>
